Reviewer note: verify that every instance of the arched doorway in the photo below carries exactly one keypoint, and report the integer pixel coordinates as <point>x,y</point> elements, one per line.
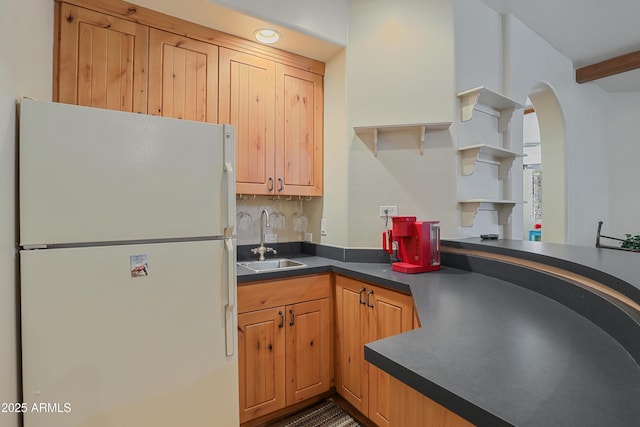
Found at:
<point>553,159</point>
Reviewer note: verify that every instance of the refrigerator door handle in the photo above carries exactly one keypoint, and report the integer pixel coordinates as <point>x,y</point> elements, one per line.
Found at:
<point>231,196</point>
<point>229,154</point>
<point>231,298</point>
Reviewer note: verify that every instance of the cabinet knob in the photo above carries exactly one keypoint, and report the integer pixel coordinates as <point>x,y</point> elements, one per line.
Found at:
<point>293,318</point>
<point>270,347</point>
<point>361,291</point>
<point>270,186</point>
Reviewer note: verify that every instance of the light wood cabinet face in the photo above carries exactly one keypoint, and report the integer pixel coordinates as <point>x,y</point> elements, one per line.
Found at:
<point>183,77</point>
<point>392,314</point>
<point>308,350</point>
<point>247,101</point>
<point>410,408</point>
<point>285,343</point>
<point>366,313</point>
<point>171,68</point>
<point>101,61</point>
<point>299,130</point>
<point>352,380</point>
<point>261,349</point>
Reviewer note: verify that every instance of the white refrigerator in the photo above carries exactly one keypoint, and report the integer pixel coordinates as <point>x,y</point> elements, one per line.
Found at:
<point>127,269</point>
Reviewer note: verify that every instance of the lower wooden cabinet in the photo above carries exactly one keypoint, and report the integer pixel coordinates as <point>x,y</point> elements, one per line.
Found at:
<point>284,343</point>
<point>410,408</point>
<point>261,351</point>
<point>366,313</point>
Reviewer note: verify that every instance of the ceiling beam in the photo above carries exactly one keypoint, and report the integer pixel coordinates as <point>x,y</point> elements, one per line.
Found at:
<point>610,67</point>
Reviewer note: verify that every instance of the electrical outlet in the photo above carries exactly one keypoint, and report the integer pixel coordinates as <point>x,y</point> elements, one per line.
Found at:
<point>271,238</point>
<point>308,237</point>
<point>388,210</point>
<point>323,227</point>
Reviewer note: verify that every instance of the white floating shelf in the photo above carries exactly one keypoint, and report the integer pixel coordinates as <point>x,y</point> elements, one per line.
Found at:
<point>470,208</point>
<point>375,133</point>
<point>498,105</point>
<point>473,153</point>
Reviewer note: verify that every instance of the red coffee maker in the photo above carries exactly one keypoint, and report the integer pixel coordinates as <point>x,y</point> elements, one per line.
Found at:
<point>418,244</point>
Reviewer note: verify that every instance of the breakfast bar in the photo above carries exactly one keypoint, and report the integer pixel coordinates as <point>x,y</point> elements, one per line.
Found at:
<point>517,349</point>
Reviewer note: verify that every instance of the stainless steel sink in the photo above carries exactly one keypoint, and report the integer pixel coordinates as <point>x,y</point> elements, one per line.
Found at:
<point>272,264</point>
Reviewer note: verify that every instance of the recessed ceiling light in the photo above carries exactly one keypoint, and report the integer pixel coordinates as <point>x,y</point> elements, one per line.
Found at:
<point>267,35</point>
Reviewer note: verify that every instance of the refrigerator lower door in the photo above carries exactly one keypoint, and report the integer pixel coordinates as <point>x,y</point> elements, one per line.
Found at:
<point>127,336</point>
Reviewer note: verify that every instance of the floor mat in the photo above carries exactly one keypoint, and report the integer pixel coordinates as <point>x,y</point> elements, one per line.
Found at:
<point>326,414</point>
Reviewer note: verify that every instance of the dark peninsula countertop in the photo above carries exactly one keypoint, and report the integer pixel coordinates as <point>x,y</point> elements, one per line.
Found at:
<point>496,353</point>
<point>618,269</point>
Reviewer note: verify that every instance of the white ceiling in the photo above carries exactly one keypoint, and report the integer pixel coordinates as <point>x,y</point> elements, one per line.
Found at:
<point>586,31</point>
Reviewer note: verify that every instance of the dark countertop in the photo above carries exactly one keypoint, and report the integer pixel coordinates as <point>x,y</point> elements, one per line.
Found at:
<point>497,353</point>
<point>618,269</point>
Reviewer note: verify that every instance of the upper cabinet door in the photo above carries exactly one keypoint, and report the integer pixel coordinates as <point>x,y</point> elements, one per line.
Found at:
<point>299,131</point>
<point>247,101</point>
<point>101,61</point>
<point>183,77</point>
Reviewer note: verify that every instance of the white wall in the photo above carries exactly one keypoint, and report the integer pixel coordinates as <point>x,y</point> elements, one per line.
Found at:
<point>623,149</point>
<point>480,62</point>
<point>507,56</point>
<point>478,46</point>
<point>533,60</point>
<point>336,153</point>
<point>399,69</point>
<point>26,44</point>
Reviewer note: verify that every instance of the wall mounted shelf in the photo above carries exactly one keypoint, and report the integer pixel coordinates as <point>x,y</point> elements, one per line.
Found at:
<point>470,208</point>
<point>500,156</point>
<point>489,102</point>
<point>374,133</point>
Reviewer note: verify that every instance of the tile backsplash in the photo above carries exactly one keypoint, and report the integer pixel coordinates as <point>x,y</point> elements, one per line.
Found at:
<point>254,205</point>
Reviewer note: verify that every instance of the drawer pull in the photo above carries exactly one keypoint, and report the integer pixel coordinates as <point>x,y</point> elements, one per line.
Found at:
<point>369,303</point>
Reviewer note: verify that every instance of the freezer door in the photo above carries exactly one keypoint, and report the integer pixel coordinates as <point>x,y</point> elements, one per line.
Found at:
<point>94,175</point>
<point>128,336</point>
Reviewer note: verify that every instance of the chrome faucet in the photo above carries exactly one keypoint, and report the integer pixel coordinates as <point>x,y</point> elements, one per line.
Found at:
<point>261,250</point>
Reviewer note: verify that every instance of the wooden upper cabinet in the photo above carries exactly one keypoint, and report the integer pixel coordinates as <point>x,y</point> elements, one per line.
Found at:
<point>114,55</point>
<point>247,101</point>
<point>183,77</point>
<point>299,131</point>
<point>101,60</point>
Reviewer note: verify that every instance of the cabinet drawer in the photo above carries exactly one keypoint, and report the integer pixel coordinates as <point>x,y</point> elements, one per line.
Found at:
<point>279,292</point>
